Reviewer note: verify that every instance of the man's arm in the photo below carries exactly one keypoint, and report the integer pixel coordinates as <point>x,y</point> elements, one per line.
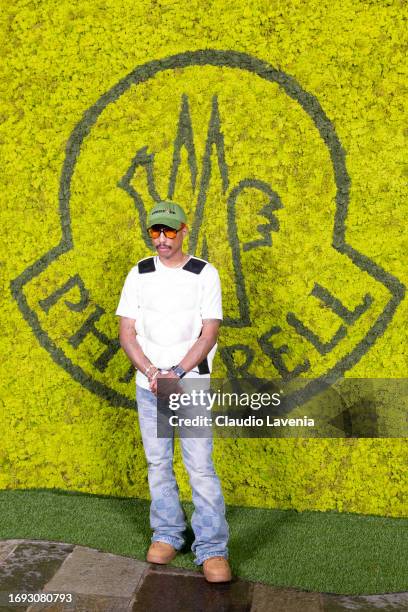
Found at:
<point>129,343</point>
<point>199,351</point>
<point>203,345</point>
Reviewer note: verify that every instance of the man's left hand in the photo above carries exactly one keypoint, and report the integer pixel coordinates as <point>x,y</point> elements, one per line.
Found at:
<point>166,388</point>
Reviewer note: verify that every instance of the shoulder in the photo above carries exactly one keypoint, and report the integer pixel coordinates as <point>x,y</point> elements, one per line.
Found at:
<point>200,266</point>
<point>208,273</point>
<point>143,265</point>
<point>195,265</point>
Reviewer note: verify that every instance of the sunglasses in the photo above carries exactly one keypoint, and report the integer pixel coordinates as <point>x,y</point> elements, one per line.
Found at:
<point>169,232</point>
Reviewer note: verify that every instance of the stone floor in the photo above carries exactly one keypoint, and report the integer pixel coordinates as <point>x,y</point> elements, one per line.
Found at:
<point>98,581</point>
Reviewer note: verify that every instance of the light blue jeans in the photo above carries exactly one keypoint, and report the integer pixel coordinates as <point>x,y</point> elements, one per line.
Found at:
<point>167,517</point>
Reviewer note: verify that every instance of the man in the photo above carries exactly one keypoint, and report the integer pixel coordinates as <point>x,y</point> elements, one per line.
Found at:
<point>170,310</point>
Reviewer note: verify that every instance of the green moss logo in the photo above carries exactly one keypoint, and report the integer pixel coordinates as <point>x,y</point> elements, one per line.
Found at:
<point>257,165</point>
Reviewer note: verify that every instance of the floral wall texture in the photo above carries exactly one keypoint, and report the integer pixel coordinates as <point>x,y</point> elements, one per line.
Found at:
<point>280,127</point>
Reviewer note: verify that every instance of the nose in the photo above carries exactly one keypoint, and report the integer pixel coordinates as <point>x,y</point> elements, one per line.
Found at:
<point>162,237</point>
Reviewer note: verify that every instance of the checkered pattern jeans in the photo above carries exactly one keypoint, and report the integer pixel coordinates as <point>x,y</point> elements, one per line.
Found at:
<point>167,517</point>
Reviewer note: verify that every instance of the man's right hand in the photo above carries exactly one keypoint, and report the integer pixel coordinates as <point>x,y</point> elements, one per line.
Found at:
<point>153,374</point>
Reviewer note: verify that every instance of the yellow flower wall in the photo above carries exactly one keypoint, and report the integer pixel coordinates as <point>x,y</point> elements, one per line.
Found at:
<point>300,107</point>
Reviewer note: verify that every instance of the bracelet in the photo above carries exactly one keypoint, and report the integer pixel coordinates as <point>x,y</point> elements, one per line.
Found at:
<point>154,375</point>
<point>147,370</point>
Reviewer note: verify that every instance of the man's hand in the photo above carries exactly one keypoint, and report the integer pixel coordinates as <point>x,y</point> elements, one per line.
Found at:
<point>165,389</point>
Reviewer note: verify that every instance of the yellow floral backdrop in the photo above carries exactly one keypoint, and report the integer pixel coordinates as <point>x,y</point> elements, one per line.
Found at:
<point>281,128</point>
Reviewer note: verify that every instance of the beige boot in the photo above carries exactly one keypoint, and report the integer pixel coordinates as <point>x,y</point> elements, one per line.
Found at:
<point>161,552</point>
<point>217,569</point>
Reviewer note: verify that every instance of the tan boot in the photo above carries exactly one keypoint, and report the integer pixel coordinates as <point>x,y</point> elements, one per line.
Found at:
<point>161,552</point>
<point>217,569</point>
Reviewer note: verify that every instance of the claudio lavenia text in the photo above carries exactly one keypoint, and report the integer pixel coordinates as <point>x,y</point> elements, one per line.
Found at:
<point>223,420</point>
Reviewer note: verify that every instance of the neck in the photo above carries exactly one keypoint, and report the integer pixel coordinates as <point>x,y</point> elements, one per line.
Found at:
<point>174,263</point>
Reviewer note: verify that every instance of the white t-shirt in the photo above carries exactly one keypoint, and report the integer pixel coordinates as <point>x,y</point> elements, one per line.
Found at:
<point>168,306</point>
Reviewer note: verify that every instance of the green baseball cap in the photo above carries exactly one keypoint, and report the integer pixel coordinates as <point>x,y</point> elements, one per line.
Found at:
<point>166,213</point>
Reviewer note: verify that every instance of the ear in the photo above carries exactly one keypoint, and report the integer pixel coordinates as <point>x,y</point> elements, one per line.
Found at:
<point>184,231</point>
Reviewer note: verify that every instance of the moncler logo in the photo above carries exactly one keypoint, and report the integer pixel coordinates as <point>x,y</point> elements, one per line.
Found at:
<point>261,172</point>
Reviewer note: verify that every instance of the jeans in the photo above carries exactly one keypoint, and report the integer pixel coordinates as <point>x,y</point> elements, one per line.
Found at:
<point>167,517</point>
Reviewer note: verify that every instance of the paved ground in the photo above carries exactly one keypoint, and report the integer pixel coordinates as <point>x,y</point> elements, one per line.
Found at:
<point>103,582</point>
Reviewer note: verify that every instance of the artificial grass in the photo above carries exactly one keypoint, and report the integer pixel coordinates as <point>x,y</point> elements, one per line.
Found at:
<point>315,551</point>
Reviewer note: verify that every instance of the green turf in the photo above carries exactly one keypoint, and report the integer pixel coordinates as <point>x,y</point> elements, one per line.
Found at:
<point>316,551</point>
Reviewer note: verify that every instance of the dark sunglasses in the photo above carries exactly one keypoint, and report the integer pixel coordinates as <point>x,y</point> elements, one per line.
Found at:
<point>169,232</point>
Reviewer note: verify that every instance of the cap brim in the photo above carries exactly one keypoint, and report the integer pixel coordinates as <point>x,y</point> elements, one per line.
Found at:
<point>162,220</point>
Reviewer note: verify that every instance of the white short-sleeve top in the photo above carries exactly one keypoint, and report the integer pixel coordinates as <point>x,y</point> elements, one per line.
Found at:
<point>168,306</point>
